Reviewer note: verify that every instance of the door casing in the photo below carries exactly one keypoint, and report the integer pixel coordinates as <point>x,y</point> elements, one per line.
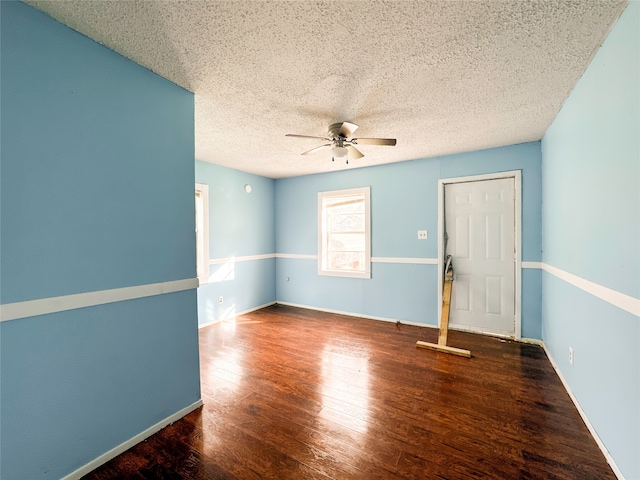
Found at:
<point>517,176</point>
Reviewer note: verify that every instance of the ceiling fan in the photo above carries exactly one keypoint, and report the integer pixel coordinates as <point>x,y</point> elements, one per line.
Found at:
<point>340,136</point>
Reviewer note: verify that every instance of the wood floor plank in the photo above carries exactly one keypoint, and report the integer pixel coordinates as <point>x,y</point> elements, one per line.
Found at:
<point>293,393</point>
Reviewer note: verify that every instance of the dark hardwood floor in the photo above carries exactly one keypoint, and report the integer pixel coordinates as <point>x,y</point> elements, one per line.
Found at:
<point>297,394</point>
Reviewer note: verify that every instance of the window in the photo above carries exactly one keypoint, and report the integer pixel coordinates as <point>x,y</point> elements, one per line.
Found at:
<point>344,240</point>
<point>202,232</point>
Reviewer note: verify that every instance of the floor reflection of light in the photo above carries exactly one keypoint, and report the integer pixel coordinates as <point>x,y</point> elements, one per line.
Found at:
<point>230,362</point>
<point>225,370</point>
<point>345,388</point>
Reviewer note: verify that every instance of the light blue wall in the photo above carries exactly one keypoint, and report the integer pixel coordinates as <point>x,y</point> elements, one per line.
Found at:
<point>96,193</point>
<point>76,384</point>
<point>90,151</point>
<point>531,304</point>
<point>591,168</point>
<point>404,199</point>
<point>591,228</point>
<point>240,224</point>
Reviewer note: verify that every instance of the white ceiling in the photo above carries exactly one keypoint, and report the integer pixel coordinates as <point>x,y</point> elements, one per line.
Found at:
<point>440,76</point>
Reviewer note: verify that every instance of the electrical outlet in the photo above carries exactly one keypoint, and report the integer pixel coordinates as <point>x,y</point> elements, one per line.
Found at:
<point>422,234</point>
<point>570,356</point>
<point>220,300</point>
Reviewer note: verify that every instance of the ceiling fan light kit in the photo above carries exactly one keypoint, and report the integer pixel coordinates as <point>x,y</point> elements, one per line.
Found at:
<point>340,153</point>
<point>342,142</point>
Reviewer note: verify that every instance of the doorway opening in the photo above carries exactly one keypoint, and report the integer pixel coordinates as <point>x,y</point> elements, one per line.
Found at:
<point>202,232</point>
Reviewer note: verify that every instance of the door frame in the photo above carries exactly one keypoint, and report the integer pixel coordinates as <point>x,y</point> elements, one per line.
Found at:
<point>517,177</point>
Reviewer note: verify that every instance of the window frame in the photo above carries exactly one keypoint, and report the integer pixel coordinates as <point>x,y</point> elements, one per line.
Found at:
<point>366,193</point>
<point>203,190</point>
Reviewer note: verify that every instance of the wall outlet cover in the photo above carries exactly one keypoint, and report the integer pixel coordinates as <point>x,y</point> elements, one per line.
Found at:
<point>570,356</point>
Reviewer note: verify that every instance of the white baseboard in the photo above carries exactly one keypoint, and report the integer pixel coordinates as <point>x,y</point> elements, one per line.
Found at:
<point>585,419</point>
<point>259,307</point>
<point>208,324</point>
<point>359,315</point>
<point>533,341</point>
<point>114,452</point>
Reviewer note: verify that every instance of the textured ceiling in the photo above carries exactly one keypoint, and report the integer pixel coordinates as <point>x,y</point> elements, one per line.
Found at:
<point>440,76</point>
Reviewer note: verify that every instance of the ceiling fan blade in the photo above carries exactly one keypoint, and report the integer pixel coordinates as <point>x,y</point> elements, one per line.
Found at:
<point>354,153</point>
<point>375,141</point>
<point>313,150</point>
<point>305,136</point>
<point>347,129</point>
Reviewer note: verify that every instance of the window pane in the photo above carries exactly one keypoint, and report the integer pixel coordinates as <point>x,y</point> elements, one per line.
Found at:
<point>343,230</point>
<point>346,261</point>
<point>347,242</point>
<point>345,204</point>
<point>346,223</point>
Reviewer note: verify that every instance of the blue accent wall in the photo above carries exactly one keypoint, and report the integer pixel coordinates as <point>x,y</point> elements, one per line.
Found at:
<point>93,147</point>
<point>404,199</point>
<point>76,384</point>
<point>591,228</point>
<point>241,224</point>
<point>97,174</point>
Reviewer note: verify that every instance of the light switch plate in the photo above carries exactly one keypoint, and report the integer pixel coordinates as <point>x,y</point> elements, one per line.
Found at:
<point>422,234</point>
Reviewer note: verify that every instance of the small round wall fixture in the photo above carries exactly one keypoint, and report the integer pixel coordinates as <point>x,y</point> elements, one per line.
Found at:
<point>247,188</point>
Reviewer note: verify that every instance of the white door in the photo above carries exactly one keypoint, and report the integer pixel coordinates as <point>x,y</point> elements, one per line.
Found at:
<point>480,229</point>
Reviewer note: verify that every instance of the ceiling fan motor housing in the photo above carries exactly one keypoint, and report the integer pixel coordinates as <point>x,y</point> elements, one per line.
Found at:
<point>342,129</point>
